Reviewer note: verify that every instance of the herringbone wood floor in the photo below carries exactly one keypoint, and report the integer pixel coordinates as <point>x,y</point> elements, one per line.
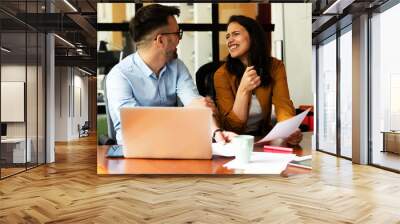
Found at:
<point>70,191</point>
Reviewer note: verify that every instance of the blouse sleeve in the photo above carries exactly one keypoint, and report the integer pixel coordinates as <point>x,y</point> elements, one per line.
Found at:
<point>284,108</point>
<point>225,98</point>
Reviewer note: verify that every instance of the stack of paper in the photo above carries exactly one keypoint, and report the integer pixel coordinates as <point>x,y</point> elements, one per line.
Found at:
<point>262,163</point>
<point>220,149</point>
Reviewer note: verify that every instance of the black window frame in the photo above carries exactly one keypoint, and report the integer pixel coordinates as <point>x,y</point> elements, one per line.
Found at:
<point>214,27</point>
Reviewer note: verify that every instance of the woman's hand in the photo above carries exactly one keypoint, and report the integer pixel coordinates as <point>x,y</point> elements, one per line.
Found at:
<point>224,136</point>
<point>250,80</point>
<point>295,138</point>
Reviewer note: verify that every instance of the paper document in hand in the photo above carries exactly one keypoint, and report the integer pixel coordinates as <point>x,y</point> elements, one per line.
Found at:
<point>285,128</point>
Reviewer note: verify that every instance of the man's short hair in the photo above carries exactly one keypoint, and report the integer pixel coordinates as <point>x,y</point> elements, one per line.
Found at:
<point>150,18</point>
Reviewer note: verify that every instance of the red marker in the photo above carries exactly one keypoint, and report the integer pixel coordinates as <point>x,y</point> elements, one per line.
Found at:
<point>277,149</point>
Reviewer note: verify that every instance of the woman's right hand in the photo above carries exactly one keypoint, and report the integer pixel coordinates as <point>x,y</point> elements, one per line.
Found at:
<point>250,80</point>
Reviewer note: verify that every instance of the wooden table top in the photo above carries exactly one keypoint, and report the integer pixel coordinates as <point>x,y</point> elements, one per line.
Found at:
<point>175,166</point>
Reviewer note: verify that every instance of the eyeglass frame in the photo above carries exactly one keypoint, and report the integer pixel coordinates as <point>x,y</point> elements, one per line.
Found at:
<point>179,33</point>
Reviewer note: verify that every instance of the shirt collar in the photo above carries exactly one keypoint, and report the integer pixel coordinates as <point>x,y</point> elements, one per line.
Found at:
<point>143,66</point>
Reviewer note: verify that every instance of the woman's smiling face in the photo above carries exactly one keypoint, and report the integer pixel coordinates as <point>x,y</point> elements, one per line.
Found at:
<point>238,41</point>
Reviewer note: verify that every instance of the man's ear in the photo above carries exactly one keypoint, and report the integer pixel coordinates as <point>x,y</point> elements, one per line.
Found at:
<point>159,40</point>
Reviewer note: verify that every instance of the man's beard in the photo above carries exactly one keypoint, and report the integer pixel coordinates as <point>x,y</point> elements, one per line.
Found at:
<point>171,55</point>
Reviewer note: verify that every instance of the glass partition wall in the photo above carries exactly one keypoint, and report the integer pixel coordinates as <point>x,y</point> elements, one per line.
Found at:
<point>334,114</point>
<point>327,95</point>
<point>22,77</point>
<point>346,93</point>
<point>13,86</point>
<point>385,89</point>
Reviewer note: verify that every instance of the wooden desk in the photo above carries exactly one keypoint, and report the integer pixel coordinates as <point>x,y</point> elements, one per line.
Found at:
<point>172,166</point>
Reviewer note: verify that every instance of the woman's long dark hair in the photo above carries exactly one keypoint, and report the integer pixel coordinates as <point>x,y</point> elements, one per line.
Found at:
<point>259,54</point>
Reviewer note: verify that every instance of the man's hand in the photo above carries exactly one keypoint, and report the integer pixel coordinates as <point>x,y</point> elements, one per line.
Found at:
<point>224,136</point>
<point>204,102</point>
<point>295,138</point>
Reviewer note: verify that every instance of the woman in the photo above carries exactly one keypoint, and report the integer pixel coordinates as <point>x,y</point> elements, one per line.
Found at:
<point>251,81</point>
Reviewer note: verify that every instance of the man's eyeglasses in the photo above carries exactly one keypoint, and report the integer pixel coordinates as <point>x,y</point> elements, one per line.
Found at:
<point>179,33</point>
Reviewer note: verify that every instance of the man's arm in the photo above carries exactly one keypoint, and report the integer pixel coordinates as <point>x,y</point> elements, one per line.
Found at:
<point>119,95</point>
<point>189,95</point>
<point>185,87</point>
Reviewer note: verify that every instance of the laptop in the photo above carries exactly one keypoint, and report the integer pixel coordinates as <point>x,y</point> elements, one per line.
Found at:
<point>166,132</point>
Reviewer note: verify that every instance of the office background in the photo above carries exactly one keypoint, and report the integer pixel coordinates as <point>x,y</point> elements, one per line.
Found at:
<point>338,191</point>
<point>29,47</point>
<point>47,79</point>
<point>22,77</point>
<point>355,65</point>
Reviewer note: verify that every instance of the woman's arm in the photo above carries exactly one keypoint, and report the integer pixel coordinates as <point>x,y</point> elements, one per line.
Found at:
<point>250,81</point>
<point>234,109</point>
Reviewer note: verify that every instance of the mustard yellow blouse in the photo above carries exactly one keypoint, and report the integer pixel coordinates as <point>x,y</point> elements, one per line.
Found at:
<point>277,93</point>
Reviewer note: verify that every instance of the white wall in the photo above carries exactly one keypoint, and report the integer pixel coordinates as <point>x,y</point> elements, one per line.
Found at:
<point>71,102</point>
<point>12,73</point>
<point>33,127</point>
<point>293,26</point>
<point>61,103</point>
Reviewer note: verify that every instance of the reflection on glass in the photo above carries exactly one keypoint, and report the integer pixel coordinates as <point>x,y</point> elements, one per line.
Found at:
<point>23,88</point>
<point>13,71</point>
<point>385,85</point>
<point>31,99</point>
<point>327,97</point>
<point>346,94</point>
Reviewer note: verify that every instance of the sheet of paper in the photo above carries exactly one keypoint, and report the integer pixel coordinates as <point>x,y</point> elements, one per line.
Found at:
<point>262,163</point>
<point>285,128</point>
<point>220,149</point>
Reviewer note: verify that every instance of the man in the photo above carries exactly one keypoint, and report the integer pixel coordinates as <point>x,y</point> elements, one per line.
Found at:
<point>153,76</point>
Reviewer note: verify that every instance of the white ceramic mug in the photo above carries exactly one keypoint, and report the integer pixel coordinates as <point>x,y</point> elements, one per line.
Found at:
<point>243,145</point>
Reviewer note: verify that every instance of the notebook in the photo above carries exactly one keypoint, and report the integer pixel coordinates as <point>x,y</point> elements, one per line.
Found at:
<point>115,151</point>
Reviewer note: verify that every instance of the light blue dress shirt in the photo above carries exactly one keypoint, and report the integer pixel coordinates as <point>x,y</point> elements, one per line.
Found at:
<point>131,83</point>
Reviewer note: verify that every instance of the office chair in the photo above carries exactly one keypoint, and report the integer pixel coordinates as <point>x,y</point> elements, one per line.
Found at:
<point>307,124</point>
<point>205,79</point>
<point>84,129</point>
